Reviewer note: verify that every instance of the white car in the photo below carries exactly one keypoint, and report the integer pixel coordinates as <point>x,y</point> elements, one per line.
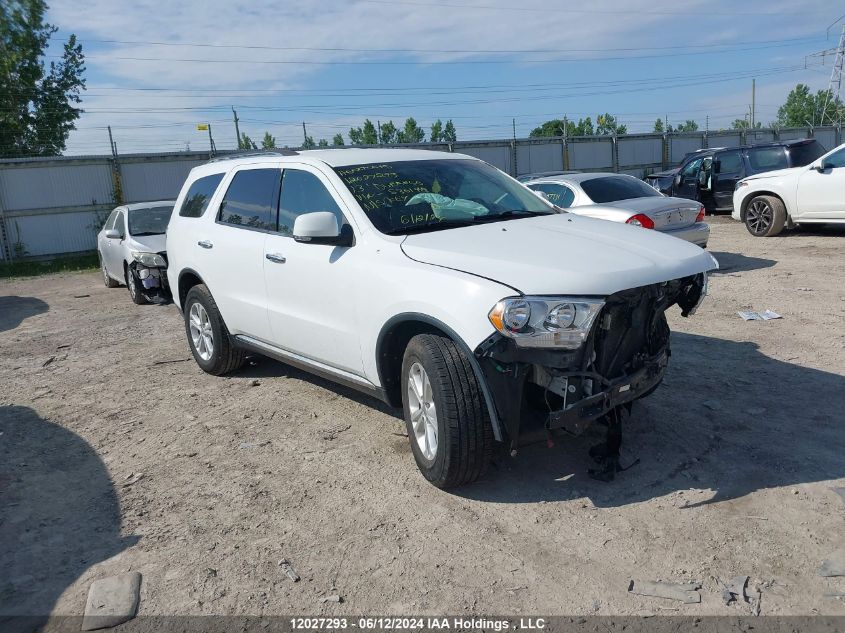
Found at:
<point>434,282</point>
<point>813,194</point>
<point>131,248</point>
<point>623,198</point>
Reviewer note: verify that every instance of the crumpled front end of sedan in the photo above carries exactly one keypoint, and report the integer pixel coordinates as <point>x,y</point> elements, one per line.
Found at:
<point>574,360</point>
<point>149,272</point>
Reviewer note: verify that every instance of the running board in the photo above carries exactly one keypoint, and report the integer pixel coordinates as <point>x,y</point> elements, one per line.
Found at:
<point>304,363</point>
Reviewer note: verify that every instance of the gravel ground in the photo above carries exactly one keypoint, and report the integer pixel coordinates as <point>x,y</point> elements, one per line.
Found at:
<point>117,453</point>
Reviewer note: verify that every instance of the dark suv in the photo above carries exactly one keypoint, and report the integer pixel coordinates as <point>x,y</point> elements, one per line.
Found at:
<point>710,175</point>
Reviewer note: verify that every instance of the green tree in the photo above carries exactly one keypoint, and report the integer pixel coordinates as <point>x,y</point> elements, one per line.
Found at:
<point>37,105</point>
<point>338,139</point>
<point>802,108</point>
<point>606,124</point>
<point>743,124</point>
<point>322,143</point>
<point>449,133</point>
<point>411,133</point>
<point>555,127</point>
<point>309,143</point>
<point>365,135</point>
<point>246,142</point>
<point>268,142</point>
<point>687,126</point>
<point>658,126</point>
<point>436,134</point>
<point>389,133</point>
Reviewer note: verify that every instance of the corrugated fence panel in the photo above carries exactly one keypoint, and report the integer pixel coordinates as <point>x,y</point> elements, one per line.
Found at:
<point>498,156</point>
<point>826,136</point>
<point>724,140</point>
<point>680,146</point>
<point>640,151</point>
<point>756,137</point>
<point>533,157</point>
<point>588,154</point>
<point>148,180</point>
<point>788,135</point>
<point>55,185</point>
<point>53,233</point>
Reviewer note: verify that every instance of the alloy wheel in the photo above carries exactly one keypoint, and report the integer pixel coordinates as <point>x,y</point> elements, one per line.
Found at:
<point>202,336</point>
<point>423,411</point>
<point>759,216</point>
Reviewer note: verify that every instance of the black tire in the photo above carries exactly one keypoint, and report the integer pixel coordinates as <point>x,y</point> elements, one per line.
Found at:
<point>765,216</point>
<point>135,291</point>
<point>225,356</point>
<point>464,432</point>
<point>107,280</point>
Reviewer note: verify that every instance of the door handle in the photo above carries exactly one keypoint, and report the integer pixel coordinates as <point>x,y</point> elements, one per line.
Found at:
<point>276,258</point>
<point>205,244</point>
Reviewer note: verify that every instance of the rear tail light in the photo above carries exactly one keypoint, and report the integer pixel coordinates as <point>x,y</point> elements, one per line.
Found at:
<point>700,216</point>
<point>641,220</point>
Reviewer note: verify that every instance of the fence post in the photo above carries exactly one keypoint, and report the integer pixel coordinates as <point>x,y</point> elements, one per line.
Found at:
<point>514,170</point>
<point>665,153</point>
<point>565,149</point>
<point>4,237</point>
<point>615,157</point>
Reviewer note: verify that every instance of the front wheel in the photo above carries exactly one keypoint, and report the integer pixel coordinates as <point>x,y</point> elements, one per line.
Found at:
<point>445,413</point>
<point>134,290</point>
<point>765,216</point>
<point>208,335</point>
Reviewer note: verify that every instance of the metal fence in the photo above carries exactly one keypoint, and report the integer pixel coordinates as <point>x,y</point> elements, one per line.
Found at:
<point>53,206</point>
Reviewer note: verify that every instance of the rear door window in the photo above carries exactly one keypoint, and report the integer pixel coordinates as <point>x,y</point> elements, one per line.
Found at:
<point>730,163</point>
<point>302,192</point>
<point>767,158</point>
<point>691,170</point>
<point>805,153</point>
<point>199,195</point>
<point>250,200</point>
<point>559,195</point>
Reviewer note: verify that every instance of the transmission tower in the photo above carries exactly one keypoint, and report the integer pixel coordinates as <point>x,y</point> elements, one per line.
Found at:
<point>835,86</point>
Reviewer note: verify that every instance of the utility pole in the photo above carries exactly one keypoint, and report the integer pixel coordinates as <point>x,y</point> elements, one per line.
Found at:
<point>237,129</point>
<point>378,131</point>
<point>304,134</point>
<point>513,121</point>
<point>115,171</point>
<point>753,103</point>
<point>211,141</point>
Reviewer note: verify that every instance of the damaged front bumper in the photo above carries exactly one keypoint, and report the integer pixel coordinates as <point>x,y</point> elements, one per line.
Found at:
<point>151,281</point>
<point>624,358</point>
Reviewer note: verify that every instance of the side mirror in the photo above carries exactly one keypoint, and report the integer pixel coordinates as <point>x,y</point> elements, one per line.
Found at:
<point>819,166</point>
<point>320,227</point>
<point>717,166</point>
<point>678,178</point>
<point>112,234</point>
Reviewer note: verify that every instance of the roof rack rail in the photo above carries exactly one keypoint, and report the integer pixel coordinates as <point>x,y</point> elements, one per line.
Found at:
<point>268,152</point>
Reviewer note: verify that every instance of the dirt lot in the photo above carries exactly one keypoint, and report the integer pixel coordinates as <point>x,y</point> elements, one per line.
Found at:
<point>118,453</point>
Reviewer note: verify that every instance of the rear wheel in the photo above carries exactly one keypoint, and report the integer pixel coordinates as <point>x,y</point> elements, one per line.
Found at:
<point>445,413</point>
<point>110,283</point>
<point>208,336</point>
<point>765,216</point>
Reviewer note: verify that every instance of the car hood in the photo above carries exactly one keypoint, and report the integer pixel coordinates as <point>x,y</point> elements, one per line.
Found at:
<point>148,243</point>
<point>776,173</point>
<point>561,254</point>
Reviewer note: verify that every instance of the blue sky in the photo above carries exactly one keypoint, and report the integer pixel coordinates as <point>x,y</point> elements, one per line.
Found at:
<point>157,69</point>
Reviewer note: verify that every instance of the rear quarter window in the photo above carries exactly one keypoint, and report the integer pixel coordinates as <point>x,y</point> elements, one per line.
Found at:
<point>199,195</point>
<point>767,158</point>
<point>805,153</point>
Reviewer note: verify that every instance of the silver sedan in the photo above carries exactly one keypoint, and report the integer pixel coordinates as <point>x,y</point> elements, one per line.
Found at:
<point>131,248</point>
<point>623,198</point>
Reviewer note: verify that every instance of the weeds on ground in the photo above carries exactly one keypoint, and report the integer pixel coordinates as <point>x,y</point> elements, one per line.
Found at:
<point>30,268</point>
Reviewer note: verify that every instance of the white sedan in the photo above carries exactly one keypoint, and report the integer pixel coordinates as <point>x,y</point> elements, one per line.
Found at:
<point>813,194</point>
<point>131,249</point>
<point>623,198</point>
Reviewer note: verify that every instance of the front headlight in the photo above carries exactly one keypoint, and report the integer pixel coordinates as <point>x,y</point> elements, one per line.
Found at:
<point>150,260</point>
<point>558,322</point>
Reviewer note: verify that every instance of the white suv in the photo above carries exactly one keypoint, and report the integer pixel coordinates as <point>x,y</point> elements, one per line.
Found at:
<point>434,282</point>
<point>812,194</point>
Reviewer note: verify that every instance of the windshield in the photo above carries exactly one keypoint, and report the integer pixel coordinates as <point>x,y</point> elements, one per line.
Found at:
<point>427,195</point>
<point>805,153</point>
<point>151,221</point>
<point>615,188</point>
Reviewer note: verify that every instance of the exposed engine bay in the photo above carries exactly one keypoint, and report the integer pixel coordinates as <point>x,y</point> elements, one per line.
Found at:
<point>623,359</point>
<point>151,281</point>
